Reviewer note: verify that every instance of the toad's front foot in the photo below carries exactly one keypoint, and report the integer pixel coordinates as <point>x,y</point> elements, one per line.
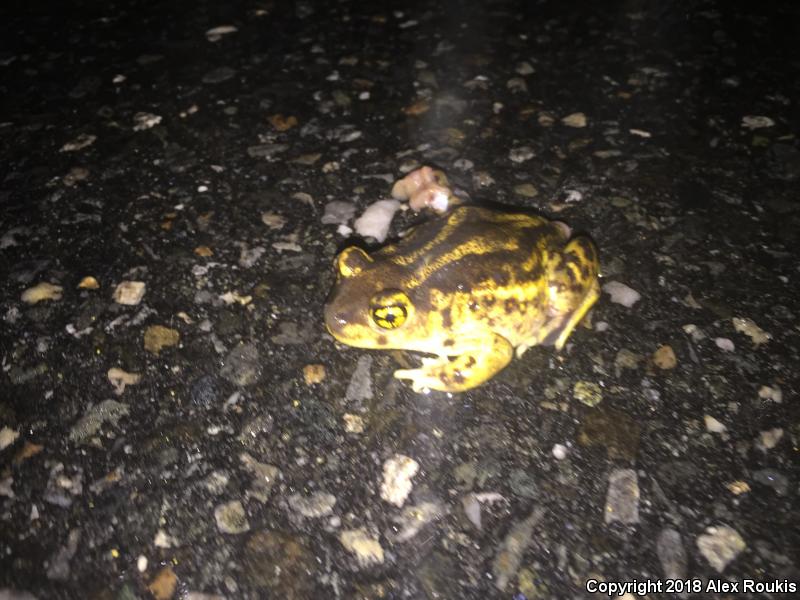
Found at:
<point>482,361</point>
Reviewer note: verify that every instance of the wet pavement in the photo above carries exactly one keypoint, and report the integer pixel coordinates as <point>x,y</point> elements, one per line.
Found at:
<point>176,422</point>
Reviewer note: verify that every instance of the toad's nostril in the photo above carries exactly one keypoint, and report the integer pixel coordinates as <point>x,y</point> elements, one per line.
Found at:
<point>335,317</point>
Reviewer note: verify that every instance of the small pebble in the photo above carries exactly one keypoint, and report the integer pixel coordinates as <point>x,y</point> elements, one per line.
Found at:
<point>353,423</point>
<point>129,293</point>
<point>671,554</point>
<point>664,358</point>
<point>713,425</point>
<point>588,393</point>
<point>119,379</point>
<point>360,386</point>
<point>771,393</point>
<point>724,344</point>
<point>621,293</point>
<point>318,504</point>
<point>40,292</point>
<point>367,549</point>
<point>145,120</point>
<point>215,33</point>
<point>756,122</point>
<point>720,545</point>
<point>397,474</point>
<point>524,68</point>
<point>376,219</point>
<point>158,337</point>
<point>314,374</point>
<point>7,437</point>
<point>737,488</point>
<point>79,143</point>
<point>750,329</point>
<point>577,120</point>
<point>521,154</point>
<point>560,451</point>
<point>163,585</point>
<point>767,440</point>
<point>231,517</point>
<point>338,213</point>
<point>622,499</point>
<point>526,190</point>
<point>273,220</point>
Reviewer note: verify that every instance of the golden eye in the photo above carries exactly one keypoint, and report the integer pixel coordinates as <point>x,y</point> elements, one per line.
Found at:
<point>389,317</point>
<point>390,309</point>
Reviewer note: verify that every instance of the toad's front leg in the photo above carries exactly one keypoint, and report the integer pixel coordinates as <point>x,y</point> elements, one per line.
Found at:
<point>477,361</point>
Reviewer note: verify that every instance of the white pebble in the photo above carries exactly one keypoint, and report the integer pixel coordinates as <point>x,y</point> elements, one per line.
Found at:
<point>713,425</point>
<point>560,451</point>
<point>621,293</point>
<point>144,120</point>
<point>756,122</point>
<point>375,221</point>
<point>771,393</point>
<point>215,34</point>
<point>7,437</point>
<point>724,344</point>
<point>521,154</point>
<point>767,440</point>
<point>141,563</point>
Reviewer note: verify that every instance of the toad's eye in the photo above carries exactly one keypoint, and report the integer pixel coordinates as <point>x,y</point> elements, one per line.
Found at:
<point>389,309</point>
<point>389,317</point>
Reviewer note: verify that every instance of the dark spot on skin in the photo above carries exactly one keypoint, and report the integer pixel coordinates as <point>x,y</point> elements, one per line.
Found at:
<point>473,305</point>
<point>537,271</point>
<point>447,319</point>
<point>444,379</point>
<point>458,377</point>
<point>448,342</point>
<point>501,278</point>
<point>382,340</point>
<point>510,305</point>
<point>470,361</point>
<point>571,273</point>
<point>491,322</point>
<point>489,300</point>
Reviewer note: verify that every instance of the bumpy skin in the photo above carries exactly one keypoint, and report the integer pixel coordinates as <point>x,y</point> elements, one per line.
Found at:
<point>468,288</point>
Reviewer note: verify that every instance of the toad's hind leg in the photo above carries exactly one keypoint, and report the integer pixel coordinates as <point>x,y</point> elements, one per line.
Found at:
<point>476,362</point>
<point>592,294</point>
<point>582,266</point>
